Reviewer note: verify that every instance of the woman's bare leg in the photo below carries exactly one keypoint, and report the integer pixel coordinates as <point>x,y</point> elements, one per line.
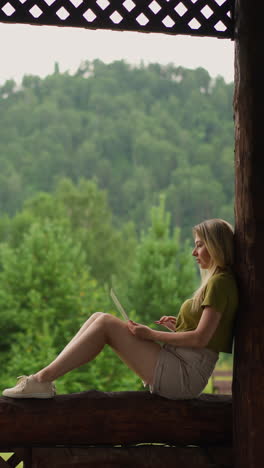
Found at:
<point>139,355</point>
<point>82,330</point>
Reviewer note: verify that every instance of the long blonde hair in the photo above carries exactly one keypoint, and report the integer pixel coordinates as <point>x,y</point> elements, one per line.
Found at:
<point>218,238</point>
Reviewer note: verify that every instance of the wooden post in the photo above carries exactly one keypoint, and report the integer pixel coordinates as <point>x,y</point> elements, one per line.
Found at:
<point>248,384</point>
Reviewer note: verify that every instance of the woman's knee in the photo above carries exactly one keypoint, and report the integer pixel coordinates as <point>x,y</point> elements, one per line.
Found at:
<point>102,318</point>
<point>109,323</point>
<point>96,315</point>
<point>105,318</point>
<point>92,318</point>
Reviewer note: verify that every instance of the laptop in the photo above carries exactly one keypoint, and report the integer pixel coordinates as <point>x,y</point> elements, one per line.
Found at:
<point>118,305</point>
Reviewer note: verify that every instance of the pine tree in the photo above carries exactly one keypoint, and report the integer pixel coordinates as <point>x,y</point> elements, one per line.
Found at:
<point>164,274</point>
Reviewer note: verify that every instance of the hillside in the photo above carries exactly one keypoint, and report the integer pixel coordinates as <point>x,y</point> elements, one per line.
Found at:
<point>140,131</point>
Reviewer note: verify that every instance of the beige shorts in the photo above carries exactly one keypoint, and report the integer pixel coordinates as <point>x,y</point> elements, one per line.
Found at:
<point>182,373</point>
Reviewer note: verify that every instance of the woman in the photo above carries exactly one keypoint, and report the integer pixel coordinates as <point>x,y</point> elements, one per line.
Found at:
<point>181,367</point>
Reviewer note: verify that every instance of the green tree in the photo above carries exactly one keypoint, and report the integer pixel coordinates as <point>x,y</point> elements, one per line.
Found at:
<point>164,275</point>
<point>46,293</point>
<point>194,195</point>
<point>84,210</point>
<point>128,127</point>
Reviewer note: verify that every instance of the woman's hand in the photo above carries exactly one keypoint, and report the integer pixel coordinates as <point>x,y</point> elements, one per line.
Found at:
<point>167,321</point>
<point>140,331</point>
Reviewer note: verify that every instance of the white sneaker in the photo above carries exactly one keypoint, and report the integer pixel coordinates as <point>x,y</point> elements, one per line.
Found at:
<point>28,387</point>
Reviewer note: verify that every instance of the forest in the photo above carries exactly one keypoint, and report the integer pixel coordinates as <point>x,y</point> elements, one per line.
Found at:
<point>103,174</point>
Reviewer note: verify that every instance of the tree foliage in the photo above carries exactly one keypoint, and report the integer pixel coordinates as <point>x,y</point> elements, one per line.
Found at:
<point>46,294</point>
<point>121,125</point>
<point>164,274</point>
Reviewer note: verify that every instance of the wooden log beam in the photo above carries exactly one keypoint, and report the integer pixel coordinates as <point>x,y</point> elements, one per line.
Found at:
<point>248,382</point>
<point>133,457</point>
<point>115,418</point>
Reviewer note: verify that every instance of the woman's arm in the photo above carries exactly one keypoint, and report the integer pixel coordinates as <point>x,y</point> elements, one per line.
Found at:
<point>198,338</point>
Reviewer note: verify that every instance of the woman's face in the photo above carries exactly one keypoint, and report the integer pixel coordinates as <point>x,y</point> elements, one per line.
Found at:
<point>201,253</point>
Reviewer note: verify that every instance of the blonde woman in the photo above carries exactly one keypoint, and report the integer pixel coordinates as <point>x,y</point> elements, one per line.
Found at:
<point>175,364</point>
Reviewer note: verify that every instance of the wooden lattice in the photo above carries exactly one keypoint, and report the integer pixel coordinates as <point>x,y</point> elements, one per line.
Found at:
<point>192,17</point>
<point>15,458</point>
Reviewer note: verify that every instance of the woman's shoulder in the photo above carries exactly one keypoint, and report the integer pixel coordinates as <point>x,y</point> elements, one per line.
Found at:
<point>222,289</point>
<point>223,278</point>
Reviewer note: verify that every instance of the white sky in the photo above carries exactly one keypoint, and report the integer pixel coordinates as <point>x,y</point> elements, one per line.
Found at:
<point>33,50</point>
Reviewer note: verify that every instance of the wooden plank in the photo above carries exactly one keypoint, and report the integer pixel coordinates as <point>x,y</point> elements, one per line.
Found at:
<point>3,463</point>
<point>19,455</point>
<point>222,373</point>
<point>248,386</point>
<point>222,381</point>
<point>115,418</point>
<point>133,457</point>
<point>16,456</point>
<point>223,387</point>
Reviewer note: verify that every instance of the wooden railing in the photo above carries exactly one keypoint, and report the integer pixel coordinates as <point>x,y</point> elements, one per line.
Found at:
<point>131,429</point>
<point>222,381</point>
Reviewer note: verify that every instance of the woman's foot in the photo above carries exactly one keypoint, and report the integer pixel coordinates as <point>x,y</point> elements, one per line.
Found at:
<point>28,387</point>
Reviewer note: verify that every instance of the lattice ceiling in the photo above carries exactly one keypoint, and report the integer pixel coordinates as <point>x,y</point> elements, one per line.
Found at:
<point>192,17</point>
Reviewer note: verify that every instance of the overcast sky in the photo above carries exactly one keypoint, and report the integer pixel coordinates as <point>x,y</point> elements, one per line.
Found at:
<point>34,50</point>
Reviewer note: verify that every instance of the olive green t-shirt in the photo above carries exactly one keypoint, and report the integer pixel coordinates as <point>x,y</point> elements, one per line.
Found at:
<point>222,295</point>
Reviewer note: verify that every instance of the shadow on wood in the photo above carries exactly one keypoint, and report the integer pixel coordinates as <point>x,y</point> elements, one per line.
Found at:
<point>134,457</point>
